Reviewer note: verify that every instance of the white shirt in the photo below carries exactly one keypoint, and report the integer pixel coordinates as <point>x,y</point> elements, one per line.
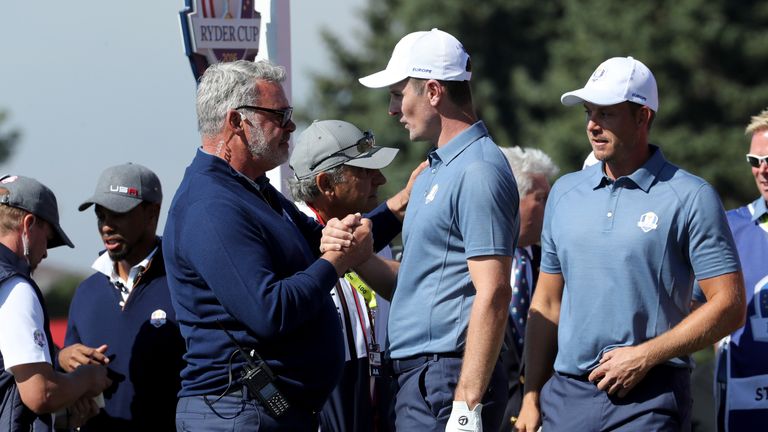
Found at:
<point>357,309</point>
<point>106,266</point>
<point>22,338</point>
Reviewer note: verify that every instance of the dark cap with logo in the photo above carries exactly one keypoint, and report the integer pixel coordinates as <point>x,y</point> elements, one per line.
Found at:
<point>30,195</point>
<point>121,188</point>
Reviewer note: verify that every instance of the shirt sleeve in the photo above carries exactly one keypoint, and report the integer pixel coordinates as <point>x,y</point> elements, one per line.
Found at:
<point>487,204</point>
<point>23,339</point>
<point>711,248</point>
<point>233,258</point>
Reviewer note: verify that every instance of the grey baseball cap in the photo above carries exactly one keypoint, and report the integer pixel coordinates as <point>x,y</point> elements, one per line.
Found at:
<point>121,188</point>
<point>29,194</point>
<point>327,144</point>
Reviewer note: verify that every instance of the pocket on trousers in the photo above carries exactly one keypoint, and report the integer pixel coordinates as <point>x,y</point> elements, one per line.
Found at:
<point>437,384</point>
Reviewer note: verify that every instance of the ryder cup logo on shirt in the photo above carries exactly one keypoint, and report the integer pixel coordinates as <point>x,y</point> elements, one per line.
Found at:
<point>648,222</point>
<point>39,338</point>
<point>157,318</point>
<point>431,194</point>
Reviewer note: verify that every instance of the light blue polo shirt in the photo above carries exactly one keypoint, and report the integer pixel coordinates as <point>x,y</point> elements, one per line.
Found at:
<point>628,251</point>
<point>464,205</point>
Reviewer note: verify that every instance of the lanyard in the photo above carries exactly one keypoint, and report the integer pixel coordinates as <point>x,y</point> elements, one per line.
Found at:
<point>347,323</point>
<point>368,294</point>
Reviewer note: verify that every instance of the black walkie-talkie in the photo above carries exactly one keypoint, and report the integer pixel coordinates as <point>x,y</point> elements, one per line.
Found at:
<point>260,380</point>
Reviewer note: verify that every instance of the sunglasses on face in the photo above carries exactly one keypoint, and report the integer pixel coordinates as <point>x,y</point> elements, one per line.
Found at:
<point>363,145</point>
<point>756,160</point>
<point>284,113</point>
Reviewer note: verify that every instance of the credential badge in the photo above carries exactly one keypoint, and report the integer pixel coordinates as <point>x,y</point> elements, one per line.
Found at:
<point>157,318</point>
<point>648,221</point>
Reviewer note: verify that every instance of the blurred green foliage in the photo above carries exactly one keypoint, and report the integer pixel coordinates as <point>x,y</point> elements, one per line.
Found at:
<point>708,56</point>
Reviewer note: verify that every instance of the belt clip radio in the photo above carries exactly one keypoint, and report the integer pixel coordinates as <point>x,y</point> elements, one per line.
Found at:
<point>260,381</point>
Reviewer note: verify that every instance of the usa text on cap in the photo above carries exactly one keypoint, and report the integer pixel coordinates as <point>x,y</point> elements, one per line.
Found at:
<point>121,188</point>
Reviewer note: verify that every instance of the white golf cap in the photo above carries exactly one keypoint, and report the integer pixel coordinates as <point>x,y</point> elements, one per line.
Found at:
<point>432,54</point>
<point>617,80</point>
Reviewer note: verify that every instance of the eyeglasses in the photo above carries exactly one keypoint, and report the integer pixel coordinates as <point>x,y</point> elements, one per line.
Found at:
<point>285,113</point>
<point>755,160</point>
<point>363,145</point>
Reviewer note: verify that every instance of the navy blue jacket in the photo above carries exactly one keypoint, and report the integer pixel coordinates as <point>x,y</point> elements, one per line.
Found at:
<point>233,258</point>
<point>14,415</point>
<point>145,355</point>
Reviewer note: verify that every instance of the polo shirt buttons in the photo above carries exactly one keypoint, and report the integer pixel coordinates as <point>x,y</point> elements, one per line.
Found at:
<point>610,214</point>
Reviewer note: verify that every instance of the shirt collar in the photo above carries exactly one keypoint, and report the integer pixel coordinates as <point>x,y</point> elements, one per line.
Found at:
<point>758,209</point>
<point>106,266</point>
<point>643,177</point>
<point>205,161</point>
<point>16,262</point>
<point>457,144</point>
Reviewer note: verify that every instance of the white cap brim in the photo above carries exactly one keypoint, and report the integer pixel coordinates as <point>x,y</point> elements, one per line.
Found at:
<point>592,96</point>
<point>381,79</point>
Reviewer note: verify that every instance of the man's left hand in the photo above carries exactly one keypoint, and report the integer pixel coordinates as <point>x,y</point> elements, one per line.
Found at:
<point>76,355</point>
<point>621,369</point>
<point>82,411</point>
<point>463,419</point>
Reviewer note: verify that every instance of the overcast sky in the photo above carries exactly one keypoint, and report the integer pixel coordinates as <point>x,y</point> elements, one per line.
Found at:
<point>100,83</point>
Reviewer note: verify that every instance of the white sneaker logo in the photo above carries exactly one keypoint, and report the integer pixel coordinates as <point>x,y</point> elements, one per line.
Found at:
<point>431,195</point>
<point>648,221</point>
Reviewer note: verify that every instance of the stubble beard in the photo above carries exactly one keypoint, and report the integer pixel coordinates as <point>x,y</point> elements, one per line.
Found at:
<point>259,149</point>
<point>118,255</point>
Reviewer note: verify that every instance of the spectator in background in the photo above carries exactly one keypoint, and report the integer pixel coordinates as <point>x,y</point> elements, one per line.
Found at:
<point>337,173</point>
<point>621,243</point>
<point>30,389</point>
<point>533,170</point>
<point>742,360</point>
<point>121,315</point>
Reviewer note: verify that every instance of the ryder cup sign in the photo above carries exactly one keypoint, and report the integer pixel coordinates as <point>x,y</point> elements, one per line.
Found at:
<point>217,31</point>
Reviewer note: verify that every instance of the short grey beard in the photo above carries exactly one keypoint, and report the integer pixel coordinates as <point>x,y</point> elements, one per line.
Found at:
<point>259,149</point>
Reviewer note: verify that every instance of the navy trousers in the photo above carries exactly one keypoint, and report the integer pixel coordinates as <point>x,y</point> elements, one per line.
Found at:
<point>425,395</point>
<point>236,413</point>
<point>661,402</point>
